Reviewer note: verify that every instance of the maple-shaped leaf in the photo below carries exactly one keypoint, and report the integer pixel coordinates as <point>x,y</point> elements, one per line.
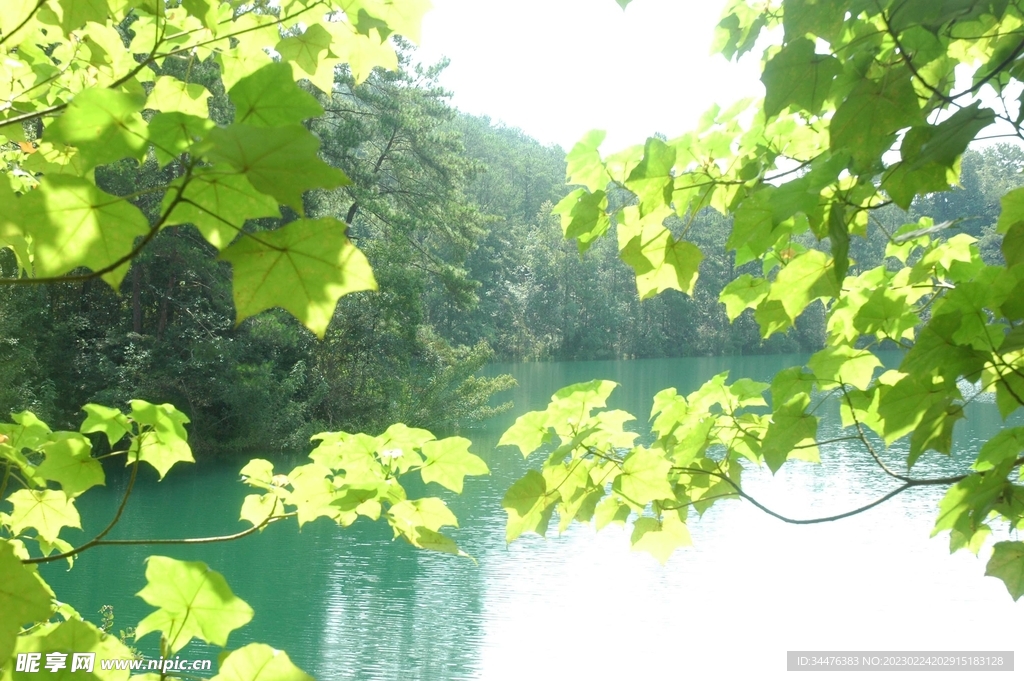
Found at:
<point>259,662</point>
<point>23,597</point>
<point>172,95</point>
<point>218,201</point>
<point>103,124</point>
<point>193,601</point>
<point>76,224</point>
<point>70,463</point>
<point>281,161</point>
<point>270,97</point>
<point>304,267</point>
<point>47,511</point>
<point>449,461</point>
<point>162,440</point>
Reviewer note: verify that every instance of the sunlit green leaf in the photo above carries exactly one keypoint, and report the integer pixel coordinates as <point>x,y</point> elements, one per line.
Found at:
<point>1007,563</point>
<point>529,505</point>
<point>69,462</point>
<point>660,539</point>
<point>23,598</point>
<point>218,201</point>
<point>103,124</point>
<point>304,267</point>
<point>162,441</point>
<point>270,98</point>
<point>644,477</point>
<point>192,601</point>
<point>45,511</point>
<point>448,461</point>
<point>798,76</point>
<point>259,662</point>
<point>584,164</point>
<point>75,224</point>
<point>107,420</point>
<point>281,161</point>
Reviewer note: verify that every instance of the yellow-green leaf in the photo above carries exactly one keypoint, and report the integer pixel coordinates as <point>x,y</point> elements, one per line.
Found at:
<point>193,601</point>
<point>259,662</point>
<point>304,267</point>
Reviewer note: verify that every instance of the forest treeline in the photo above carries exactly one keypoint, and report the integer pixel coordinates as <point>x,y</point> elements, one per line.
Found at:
<point>454,213</point>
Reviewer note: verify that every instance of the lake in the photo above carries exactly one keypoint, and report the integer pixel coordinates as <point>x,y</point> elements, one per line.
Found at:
<point>353,604</point>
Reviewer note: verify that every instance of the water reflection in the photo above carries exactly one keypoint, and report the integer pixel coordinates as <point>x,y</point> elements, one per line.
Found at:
<point>352,604</point>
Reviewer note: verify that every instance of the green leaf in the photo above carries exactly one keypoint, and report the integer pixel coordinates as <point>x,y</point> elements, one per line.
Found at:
<point>192,601</point>
<point>949,139</point>
<point>45,511</point>
<point>529,432</point>
<point>449,461</point>
<point>218,201</point>
<point>790,428</point>
<point>280,161</point>
<point>659,261</point>
<point>107,420</point>
<point>1006,445</point>
<point>1007,563</point>
<point>256,508</point>
<point>270,98</point>
<point>903,407</point>
<point>1013,245</point>
<point>304,267</point>
<point>103,124</point>
<point>172,134</point>
<point>1012,204</point>
<point>841,364</point>
<point>584,165</point>
<point>798,76</point>
<point>742,293</point>
<point>75,224</point>
<point>429,512</point>
<point>652,179</point>
<point>69,462</point>
<point>610,511</point>
<point>529,506</point>
<point>76,13</point>
<point>644,477</point>
<point>839,241</point>
<point>75,636</point>
<point>24,599</point>
<point>866,122</point>
<point>967,504</point>
<point>660,539</point>
<point>162,440</point>
<point>27,431</point>
<point>259,662</point>
<point>935,431</point>
<point>807,277</point>
<point>304,50</point>
<point>418,521</point>
<point>583,216</point>
<point>172,95</point>
<point>752,227</point>
<point>791,383</point>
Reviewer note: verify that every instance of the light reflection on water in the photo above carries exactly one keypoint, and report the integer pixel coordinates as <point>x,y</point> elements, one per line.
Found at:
<point>350,604</point>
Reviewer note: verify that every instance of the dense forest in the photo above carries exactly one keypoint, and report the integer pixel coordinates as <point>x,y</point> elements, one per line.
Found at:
<point>454,213</point>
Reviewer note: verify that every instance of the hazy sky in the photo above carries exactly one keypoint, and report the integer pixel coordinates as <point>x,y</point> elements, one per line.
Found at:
<point>558,68</point>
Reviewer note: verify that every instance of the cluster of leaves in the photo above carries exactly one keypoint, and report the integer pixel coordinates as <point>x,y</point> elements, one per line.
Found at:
<point>864,107</point>
<point>351,475</point>
<point>90,86</point>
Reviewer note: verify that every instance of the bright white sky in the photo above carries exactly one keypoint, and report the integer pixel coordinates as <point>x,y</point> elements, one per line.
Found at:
<point>558,68</point>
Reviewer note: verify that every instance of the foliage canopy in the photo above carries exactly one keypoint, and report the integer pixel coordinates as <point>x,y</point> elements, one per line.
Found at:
<point>867,104</point>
